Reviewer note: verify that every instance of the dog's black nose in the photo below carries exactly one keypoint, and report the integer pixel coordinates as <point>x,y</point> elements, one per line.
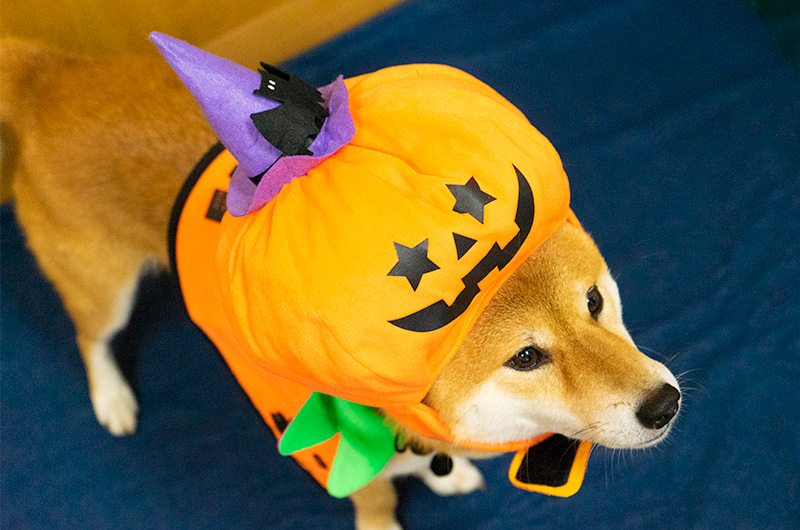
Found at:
<point>659,407</point>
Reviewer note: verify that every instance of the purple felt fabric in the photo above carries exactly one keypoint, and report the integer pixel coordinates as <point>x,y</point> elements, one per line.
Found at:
<point>245,197</point>
<point>224,91</point>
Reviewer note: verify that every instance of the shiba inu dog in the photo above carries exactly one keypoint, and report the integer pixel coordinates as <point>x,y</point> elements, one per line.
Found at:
<point>105,145</point>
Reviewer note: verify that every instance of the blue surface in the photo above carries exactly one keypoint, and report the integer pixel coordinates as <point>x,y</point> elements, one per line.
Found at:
<point>678,123</point>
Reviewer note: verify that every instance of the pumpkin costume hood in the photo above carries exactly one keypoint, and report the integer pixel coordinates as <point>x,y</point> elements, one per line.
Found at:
<point>350,237</point>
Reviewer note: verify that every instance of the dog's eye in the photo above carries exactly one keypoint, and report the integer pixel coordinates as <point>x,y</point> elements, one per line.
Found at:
<point>527,359</point>
<point>594,301</point>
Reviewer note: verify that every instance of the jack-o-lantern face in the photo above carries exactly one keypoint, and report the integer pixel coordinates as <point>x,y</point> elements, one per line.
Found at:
<point>413,263</point>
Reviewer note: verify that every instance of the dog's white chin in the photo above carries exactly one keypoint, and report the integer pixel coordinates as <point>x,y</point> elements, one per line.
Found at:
<point>491,415</point>
<point>656,439</point>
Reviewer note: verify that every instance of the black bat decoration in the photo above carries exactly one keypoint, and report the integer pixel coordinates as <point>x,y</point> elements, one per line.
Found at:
<point>292,126</point>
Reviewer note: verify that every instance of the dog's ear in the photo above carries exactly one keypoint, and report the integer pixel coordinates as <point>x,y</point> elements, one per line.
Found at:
<point>554,466</point>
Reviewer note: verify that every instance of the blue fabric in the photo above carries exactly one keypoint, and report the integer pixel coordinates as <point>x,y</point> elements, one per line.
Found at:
<point>678,126</point>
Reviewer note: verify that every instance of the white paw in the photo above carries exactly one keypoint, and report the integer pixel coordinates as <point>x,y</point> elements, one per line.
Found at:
<point>464,478</point>
<point>112,398</point>
<point>116,408</point>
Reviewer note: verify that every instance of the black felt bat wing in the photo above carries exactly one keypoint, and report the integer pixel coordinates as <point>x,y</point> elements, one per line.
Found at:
<point>292,126</point>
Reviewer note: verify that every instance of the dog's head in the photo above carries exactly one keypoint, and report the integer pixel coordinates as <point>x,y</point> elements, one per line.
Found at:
<point>550,354</point>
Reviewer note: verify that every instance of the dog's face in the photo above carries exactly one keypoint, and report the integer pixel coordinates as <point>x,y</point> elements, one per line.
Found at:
<point>550,354</point>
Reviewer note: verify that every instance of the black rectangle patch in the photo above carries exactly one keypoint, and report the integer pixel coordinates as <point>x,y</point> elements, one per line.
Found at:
<point>217,208</point>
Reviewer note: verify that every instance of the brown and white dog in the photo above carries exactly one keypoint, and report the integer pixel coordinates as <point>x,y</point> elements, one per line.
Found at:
<point>105,144</point>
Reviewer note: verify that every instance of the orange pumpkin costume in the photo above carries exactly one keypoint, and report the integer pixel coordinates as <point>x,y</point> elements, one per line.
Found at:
<point>361,278</point>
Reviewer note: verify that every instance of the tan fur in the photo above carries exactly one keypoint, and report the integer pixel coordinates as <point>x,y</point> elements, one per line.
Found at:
<point>374,505</point>
<point>105,144</point>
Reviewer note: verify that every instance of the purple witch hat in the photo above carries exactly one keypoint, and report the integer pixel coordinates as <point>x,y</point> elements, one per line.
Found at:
<point>231,97</point>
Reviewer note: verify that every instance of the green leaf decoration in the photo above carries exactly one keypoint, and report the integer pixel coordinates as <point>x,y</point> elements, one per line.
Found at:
<point>366,444</point>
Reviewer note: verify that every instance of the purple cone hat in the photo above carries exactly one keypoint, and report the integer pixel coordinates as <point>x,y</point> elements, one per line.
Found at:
<point>225,92</point>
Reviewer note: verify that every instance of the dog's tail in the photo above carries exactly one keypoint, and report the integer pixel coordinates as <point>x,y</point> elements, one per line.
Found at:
<point>22,65</point>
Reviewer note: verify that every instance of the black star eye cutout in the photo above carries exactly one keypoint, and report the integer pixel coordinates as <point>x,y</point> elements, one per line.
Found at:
<point>412,263</point>
<point>292,126</point>
<point>470,198</point>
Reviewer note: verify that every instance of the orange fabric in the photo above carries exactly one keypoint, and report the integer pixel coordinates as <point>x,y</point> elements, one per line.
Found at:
<point>298,296</point>
<point>196,247</point>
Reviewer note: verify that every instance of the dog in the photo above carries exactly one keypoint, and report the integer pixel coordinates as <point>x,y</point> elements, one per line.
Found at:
<point>105,145</point>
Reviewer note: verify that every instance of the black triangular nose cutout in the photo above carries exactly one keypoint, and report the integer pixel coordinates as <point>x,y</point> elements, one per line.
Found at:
<point>463,244</point>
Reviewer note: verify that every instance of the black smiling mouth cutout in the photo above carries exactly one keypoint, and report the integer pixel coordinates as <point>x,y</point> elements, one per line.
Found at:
<point>440,314</point>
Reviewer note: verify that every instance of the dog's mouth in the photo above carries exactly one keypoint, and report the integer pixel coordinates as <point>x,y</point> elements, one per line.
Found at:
<point>624,439</point>
<point>655,440</point>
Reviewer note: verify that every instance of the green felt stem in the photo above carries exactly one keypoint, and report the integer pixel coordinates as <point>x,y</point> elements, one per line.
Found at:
<point>366,444</point>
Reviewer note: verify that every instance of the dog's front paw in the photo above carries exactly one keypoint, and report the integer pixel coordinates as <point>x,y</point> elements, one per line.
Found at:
<point>463,478</point>
<point>113,400</point>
